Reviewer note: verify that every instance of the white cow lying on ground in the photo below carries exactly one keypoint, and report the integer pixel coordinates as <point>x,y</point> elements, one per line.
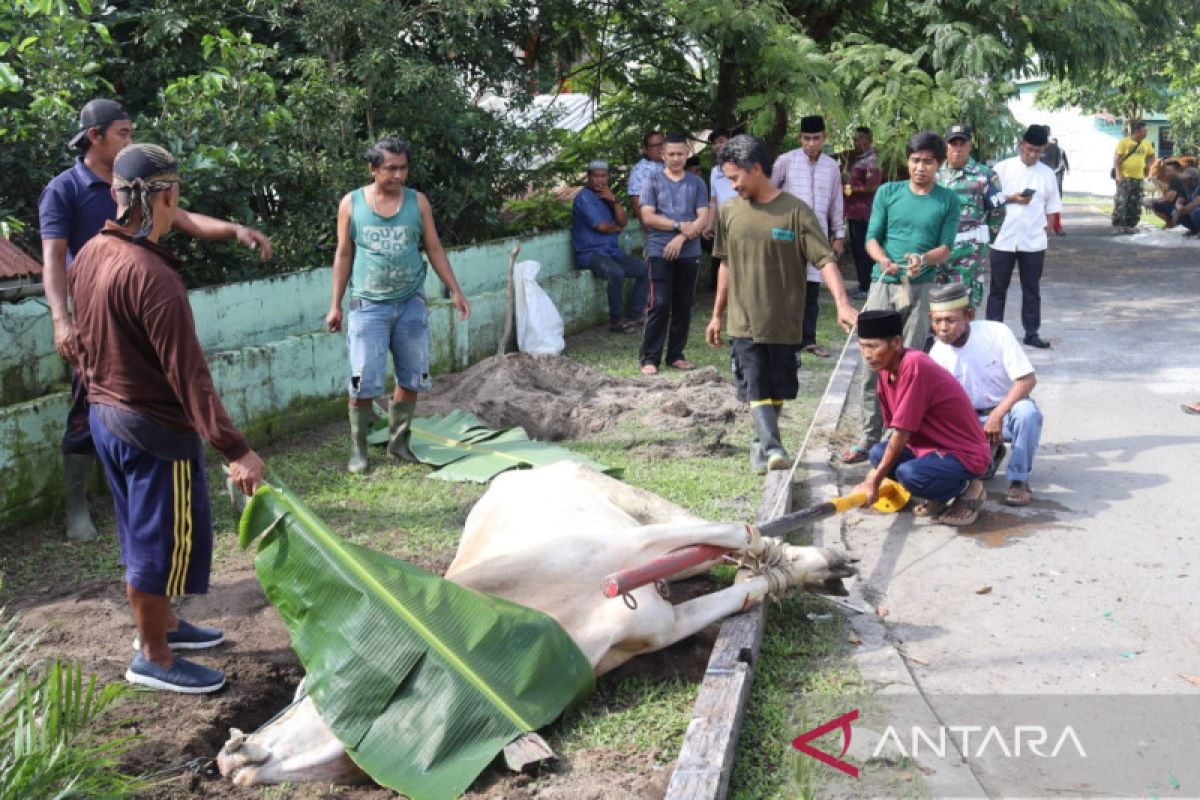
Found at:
<point>546,538</point>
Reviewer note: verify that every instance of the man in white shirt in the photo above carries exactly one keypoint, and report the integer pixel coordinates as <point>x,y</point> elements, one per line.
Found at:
<point>1031,197</point>
<point>994,371</point>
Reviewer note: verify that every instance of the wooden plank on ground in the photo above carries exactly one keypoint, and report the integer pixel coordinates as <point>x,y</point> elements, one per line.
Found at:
<point>706,758</point>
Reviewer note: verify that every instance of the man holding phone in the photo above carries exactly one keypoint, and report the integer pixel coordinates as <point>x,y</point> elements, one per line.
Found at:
<point>1030,196</point>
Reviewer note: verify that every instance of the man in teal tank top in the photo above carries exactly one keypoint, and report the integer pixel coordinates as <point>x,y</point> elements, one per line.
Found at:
<point>381,228</point>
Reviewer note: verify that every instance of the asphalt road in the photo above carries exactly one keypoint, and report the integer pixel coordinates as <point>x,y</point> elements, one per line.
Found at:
<point>1079,610</point>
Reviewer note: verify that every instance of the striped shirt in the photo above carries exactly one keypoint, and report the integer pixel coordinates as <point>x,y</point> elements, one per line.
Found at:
<point>819,185</point>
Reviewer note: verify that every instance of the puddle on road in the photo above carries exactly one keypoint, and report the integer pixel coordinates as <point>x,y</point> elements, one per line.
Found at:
<point>995,528</point>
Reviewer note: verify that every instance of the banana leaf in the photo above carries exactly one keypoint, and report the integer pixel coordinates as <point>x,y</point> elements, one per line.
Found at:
<point>466,450</point>
<point>424,681</point>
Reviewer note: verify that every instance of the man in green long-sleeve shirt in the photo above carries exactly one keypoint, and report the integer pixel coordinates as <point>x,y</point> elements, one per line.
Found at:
<point>912,229</point>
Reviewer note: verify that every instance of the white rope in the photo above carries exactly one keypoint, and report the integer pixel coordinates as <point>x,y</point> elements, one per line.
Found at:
<point>772,563</point>
<point>779,509</point>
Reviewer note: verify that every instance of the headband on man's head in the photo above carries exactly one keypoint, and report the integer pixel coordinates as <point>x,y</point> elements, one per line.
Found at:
<point>949,297</point>
<point>141,171</point>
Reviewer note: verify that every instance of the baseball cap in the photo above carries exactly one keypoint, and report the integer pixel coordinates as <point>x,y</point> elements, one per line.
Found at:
<point>959,130</point>
<point>96,113</point>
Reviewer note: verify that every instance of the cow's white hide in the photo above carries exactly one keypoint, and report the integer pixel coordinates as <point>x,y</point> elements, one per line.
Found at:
<point>546,538</point>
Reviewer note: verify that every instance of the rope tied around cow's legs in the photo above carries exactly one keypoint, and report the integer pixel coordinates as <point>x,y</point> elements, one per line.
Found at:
<point>772,563</point>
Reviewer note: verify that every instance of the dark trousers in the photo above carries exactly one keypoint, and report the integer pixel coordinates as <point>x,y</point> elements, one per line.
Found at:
<point>77,439</point>
<point>615,269</point>
<point>858,248</point>
<point>932,476</point>
<point>812,307</point>
<point>1030,267</point>
<point>672,292</point>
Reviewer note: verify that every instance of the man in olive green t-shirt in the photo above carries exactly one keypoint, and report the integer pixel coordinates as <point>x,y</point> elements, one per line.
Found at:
<point>912,229</point>
<point>765,240</point>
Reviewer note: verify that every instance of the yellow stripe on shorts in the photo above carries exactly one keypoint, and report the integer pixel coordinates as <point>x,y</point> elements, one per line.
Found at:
<point>181,479</point>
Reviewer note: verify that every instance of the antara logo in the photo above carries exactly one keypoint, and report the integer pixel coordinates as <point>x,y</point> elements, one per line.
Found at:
<point>1023,740</point>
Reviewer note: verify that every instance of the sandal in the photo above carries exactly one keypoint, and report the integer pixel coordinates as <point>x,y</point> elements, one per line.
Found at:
<point>966,507</point>
<point>929,508</point>
<point>1191,408</point>
<point>619,327</point>
<point>816,350</point>
<point>855,455</point>
<point>1018,494</point>
<point>682,364</point>
<point>649,369</point>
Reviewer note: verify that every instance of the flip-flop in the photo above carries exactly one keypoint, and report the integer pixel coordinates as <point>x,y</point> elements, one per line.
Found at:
<point>855,455</point>
<point>682,364</point>
<point>965,510</point>
<point>816,350</point>
<point>1191,408</point>
<point>929,508</point>
<point>649,369</point>
<point>1018,495</point>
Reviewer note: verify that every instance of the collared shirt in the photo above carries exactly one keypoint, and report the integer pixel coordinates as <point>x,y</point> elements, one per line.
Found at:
<point>74,206</point>
<point>720,187</point>
<point>640,173</point>
<point>819,185</point>
<point>980,197</point>
<point>587,212</point>
<point>864,174</point>
<point>1024,228</point>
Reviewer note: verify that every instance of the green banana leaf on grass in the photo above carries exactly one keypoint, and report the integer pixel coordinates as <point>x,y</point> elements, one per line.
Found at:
<point>422,680</point>
<point>466,450</point>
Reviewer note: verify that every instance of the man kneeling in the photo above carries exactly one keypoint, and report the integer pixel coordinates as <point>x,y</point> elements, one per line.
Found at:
<point>986,360</point>
<point>937,450</point>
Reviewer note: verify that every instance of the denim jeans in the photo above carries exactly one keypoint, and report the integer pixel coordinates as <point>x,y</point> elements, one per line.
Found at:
<point>615,269</point>
<point>376,329</point>
<point>932,476</point>
<point>1023,428</point>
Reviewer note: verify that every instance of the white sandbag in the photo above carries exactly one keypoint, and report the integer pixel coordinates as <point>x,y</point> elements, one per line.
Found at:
<point>539,325</point>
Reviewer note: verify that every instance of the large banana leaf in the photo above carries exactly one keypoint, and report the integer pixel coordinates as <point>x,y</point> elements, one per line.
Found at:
<point>423,680</point>
<point>466,450</point>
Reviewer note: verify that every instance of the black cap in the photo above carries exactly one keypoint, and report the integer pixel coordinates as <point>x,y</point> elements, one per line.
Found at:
<point>959,130</point>
<point>1037,135</point>
<point>812,124</point>
<point>880,324</point>
<point>96,113</point>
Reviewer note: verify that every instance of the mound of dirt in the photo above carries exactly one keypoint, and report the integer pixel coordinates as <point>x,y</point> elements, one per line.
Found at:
<point>554,398</point>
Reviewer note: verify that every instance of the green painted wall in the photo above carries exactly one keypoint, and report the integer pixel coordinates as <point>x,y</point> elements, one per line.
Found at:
<point>276,369</point>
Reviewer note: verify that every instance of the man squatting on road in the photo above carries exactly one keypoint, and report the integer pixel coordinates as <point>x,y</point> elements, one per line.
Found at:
<point>937,449</point>
<point>71,210</point>
<point>989,363</point>
<point>151,402</point>
<point>380,228</point>
<point>765,240</point>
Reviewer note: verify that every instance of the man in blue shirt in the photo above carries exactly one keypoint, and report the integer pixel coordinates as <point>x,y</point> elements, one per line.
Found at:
<point>597,220</point>
<point>72,209</point>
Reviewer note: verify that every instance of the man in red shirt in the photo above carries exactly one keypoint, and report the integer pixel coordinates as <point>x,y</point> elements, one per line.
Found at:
<point>937,449</point>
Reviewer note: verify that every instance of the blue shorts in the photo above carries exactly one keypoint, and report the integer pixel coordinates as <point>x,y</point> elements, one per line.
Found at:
<point>164,521</point>
<point>376,329</point>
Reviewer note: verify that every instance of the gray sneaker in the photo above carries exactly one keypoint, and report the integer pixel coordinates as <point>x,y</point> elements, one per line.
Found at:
<point>183,676</point>
<point>188,637</point>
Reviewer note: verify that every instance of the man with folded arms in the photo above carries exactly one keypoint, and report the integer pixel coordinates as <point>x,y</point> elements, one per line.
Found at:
<point>988,362</point>
<point>937,449</point>
<point>151,401</point>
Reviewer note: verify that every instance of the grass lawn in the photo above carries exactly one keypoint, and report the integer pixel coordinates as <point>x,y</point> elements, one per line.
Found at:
<point>394,509</point>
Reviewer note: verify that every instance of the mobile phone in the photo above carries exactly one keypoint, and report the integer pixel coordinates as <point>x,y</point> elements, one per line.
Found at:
<point>1028,193</point>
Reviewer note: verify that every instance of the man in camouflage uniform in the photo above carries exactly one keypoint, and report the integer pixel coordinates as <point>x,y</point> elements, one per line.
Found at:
<point>982,202</point>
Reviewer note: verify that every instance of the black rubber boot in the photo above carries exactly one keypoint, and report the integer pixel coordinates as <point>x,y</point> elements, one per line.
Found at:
<point>399,422</point>
<point>766,423</point>
<point>76,469</point>
<point>360,426</point>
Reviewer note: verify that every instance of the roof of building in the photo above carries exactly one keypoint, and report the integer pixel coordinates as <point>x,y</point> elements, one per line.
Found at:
<point>16,263</point>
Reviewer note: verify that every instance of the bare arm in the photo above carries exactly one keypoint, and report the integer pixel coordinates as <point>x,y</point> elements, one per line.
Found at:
<point>886,265</point>
<point>712,334</point>
<point>847,315</point>
<point>655,221</point>
<point>343,262</point>
<point>199,226</point>
<point>54,262</point>
<point>437,258</point>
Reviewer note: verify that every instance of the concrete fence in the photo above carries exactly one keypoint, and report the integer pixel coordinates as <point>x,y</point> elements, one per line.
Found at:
<point>273,364</point>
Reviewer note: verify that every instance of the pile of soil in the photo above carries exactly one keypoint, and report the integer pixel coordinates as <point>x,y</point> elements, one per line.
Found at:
<point>554,398</point>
